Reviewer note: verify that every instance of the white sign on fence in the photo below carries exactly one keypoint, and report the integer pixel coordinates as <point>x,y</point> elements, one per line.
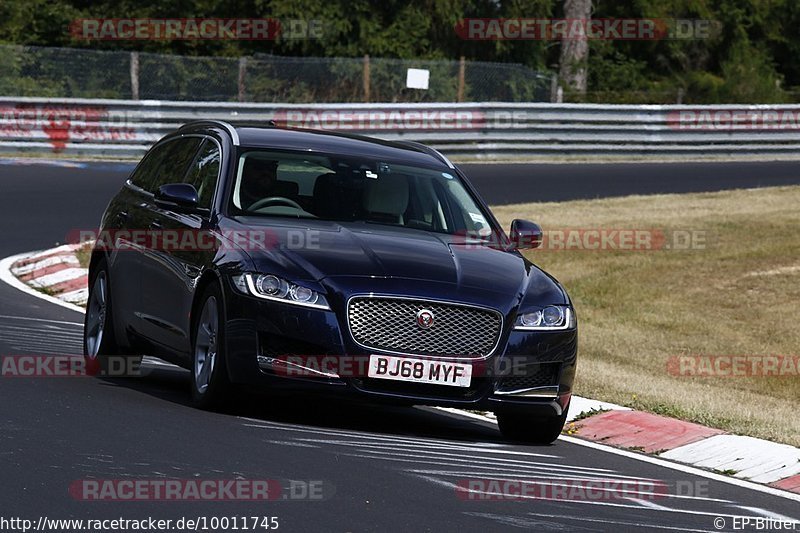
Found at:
<point>418,78</point>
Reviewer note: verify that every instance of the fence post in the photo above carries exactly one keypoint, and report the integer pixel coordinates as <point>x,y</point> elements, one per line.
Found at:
<point>366,78</point>
<point>242,71</point>
<point>134,75</point>
<point>462,65</point>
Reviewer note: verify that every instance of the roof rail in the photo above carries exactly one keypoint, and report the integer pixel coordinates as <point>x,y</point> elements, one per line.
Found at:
<point>430,151</point>
<point>219,123</point>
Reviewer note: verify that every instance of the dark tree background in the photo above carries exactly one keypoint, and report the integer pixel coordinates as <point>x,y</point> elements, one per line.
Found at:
<point>752,58</point>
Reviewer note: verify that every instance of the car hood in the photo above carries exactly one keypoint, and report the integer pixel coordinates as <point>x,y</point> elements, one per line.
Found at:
<point>316,250</point>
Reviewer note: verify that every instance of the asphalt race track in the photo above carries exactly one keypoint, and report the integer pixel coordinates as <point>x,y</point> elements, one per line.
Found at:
<point>380,468</point>
<point>519,183</point>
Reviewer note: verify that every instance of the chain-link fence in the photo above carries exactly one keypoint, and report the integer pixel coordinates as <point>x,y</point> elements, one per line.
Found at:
<point>80,73</point>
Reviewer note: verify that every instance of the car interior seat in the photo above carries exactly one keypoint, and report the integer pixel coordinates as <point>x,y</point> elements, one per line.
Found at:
<point>386,198</point>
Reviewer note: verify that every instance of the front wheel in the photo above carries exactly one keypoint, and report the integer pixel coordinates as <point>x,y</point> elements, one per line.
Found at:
<point>531,429</point>
<point>210,383</point>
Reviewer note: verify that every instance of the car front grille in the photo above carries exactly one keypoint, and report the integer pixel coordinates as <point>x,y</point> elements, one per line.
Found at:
<point>390,324</point>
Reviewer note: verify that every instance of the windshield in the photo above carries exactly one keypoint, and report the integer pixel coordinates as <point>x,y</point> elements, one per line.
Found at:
<point>347,189</point>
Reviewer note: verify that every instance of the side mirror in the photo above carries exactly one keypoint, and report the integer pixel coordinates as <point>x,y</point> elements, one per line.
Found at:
<point>178,197</point>
<point>525,235</point>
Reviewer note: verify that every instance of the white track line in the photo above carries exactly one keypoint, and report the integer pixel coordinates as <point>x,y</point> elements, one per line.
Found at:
<point>12,317</point>
<point>46,330</point>
<point>655,461</point>
<point>6,276</point>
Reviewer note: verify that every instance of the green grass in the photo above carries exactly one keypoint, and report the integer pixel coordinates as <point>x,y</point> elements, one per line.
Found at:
<point>84,255</point>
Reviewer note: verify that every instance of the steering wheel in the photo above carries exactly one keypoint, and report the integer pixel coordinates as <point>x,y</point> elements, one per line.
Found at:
<point>274,200</point>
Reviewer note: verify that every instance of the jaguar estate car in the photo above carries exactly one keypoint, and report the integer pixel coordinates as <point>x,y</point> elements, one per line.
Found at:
<point>312,262</point>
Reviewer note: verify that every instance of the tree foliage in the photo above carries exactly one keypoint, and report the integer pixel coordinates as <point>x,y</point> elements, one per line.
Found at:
<point>752,57</point>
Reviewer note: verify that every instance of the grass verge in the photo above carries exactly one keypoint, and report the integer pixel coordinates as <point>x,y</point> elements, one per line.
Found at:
<point>637,309</point>
<point>84,254</point>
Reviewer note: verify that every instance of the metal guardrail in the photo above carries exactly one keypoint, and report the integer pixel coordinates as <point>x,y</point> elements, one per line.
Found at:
<point>115,128</point>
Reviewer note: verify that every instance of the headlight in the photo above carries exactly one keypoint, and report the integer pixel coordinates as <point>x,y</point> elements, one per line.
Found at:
<point>271,287</point>
<point>550,318</point>
<point>303,294</point>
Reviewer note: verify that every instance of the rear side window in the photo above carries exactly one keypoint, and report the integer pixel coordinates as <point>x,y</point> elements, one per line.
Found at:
<point>147,170</point>
<point>166,163</point>
<point>204,171</point>
<point>174,166</point>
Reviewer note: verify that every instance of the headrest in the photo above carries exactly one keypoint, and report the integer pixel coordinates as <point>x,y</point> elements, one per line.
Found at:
<point>388,194</point>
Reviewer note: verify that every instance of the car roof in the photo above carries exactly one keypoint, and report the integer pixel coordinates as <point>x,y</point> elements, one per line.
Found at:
<point>268,136</point>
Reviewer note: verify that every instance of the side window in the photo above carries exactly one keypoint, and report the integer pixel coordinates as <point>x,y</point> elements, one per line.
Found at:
<point>148,168</point>
<point>173,167</point>
<point>204,171</point>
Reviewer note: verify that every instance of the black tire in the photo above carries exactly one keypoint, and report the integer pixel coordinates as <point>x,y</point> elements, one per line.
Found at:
<point>101,349</point>
<point>210,387</point>
<point>531,429</point>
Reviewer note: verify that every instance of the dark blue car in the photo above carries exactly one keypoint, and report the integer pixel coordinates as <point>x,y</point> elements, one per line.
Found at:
<point>314,261</point>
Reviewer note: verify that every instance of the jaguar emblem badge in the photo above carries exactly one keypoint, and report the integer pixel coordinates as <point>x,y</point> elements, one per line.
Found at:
<point>425,318</point>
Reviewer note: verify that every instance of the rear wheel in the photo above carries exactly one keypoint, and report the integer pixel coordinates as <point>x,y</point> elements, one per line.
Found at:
<point>100,347</point>
<point>210,382</point>
<point>531,429</point>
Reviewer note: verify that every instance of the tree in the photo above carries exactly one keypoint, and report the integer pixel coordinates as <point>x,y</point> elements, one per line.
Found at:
<point>574,61</point>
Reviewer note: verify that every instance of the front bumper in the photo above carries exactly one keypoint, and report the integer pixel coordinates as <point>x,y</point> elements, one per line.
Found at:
<point>530,371</point>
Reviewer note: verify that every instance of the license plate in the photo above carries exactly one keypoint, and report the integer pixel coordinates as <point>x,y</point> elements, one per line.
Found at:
<point>420,370</point>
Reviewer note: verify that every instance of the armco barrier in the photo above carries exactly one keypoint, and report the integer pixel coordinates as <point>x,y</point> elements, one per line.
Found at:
<point>115,128</point>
